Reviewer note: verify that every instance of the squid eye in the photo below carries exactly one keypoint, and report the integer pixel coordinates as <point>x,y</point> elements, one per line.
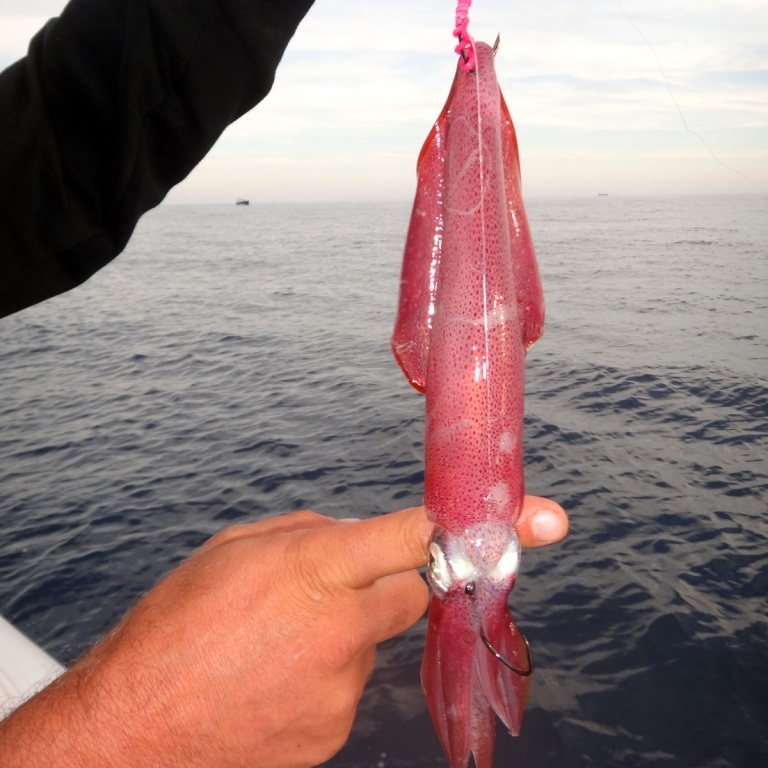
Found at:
<point>449,565</point>
<point>438,571</point>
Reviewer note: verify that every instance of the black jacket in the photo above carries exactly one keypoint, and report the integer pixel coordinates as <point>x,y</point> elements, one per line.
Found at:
<point>115,103</point>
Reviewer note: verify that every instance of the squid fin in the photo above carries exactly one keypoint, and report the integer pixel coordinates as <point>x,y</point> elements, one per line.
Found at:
<point>530,297</point>
<point>421,260</point>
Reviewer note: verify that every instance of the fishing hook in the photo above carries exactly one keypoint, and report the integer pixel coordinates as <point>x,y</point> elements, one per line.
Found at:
<point>506,662</point>
<point>469,590</point>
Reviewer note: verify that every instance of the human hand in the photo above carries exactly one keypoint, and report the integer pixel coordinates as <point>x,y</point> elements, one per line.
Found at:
<point>255,651</point>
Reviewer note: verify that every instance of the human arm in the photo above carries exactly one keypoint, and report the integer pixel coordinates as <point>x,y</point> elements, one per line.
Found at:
<point>254,651</point>
<point>114,104</point>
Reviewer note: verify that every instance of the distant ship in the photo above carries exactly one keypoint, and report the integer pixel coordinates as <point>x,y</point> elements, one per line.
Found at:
<point>241,201</point>
<point>599,194</point>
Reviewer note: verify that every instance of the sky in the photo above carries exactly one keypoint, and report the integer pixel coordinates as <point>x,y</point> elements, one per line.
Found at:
<point>596,89</point>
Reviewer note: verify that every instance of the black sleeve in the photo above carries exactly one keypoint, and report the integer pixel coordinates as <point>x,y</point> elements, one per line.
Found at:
<point>115,103</point>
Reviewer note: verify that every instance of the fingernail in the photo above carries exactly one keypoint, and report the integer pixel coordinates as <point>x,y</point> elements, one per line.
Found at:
<point>547,526</point>
<point>350,520</point>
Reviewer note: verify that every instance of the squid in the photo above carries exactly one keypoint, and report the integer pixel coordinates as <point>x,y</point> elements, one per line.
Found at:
<point>470,307</point>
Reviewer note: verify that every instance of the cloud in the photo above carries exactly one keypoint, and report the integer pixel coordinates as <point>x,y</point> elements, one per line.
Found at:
<point>361,84</point>
<point>15,33</point>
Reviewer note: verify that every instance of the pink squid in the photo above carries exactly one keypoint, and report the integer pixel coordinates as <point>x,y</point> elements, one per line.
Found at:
<point>470,307</point>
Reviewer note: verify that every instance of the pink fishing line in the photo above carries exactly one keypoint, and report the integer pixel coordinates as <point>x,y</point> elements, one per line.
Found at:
<point>466,46</point>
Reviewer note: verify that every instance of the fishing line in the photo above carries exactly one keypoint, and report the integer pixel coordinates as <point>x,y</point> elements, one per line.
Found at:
<point>677,105</point>
<point>466,45</point>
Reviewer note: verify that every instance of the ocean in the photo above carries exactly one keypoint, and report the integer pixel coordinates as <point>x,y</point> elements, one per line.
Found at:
<point>234,363</point>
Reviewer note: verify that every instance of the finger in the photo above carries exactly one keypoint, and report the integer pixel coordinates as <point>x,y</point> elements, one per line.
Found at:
<point>391,605</point>
<point>294,521</point>
<point>358,554</point>
<point>541,522</point>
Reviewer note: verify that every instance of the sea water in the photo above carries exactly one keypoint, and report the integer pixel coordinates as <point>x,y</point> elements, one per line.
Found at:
<point>234,363</point>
